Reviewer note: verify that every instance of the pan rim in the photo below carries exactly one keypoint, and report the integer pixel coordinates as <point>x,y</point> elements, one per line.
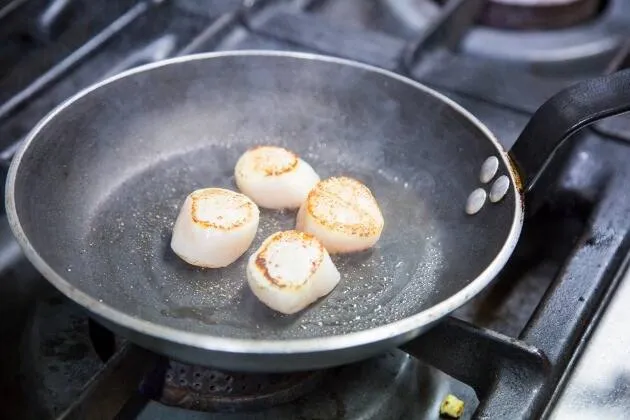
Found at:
<point>410,326</point>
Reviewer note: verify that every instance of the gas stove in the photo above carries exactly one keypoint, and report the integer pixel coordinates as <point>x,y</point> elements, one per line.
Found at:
<point>543,340</point>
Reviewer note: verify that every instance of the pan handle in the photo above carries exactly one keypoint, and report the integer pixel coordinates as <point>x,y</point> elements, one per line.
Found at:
<point>563,115</point>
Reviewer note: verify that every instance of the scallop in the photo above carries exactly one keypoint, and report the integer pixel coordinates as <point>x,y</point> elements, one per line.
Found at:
<point>214,227</point>
<point>290,271</point>
<point>343,214</point>
<point>274,177</point>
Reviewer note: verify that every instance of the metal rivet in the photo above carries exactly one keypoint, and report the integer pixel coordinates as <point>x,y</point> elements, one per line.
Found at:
<point>475,201</point>
<point>499,188</point>
<point>489,169</point>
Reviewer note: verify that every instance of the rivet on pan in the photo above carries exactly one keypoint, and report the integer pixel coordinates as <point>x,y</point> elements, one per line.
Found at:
<point>499,188</point>
<point>475,201</point>
<point>489,169</point>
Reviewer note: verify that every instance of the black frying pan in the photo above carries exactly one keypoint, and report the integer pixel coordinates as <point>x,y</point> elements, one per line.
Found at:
<point>93,193</point>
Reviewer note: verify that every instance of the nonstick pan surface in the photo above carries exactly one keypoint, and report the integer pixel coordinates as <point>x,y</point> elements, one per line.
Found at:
<point>95,191</point>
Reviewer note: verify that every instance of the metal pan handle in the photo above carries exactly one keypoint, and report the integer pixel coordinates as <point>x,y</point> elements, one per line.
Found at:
<point>563,115</point>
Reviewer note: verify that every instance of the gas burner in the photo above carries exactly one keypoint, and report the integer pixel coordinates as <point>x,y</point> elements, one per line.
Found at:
<point>572,50</point>
<point>206,389</point>
<point>538,14</point>
<point>582,48</point>
<point>391,386</point>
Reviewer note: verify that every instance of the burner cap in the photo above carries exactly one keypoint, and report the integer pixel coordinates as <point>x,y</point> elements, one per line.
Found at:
<point>206,389</point>
<point>538,14</point>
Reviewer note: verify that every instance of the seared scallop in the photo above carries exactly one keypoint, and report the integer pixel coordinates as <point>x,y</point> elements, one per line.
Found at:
<point>214,227</point>
<point>343,214</point>
<point>275,178</point>
<point>290,271</point>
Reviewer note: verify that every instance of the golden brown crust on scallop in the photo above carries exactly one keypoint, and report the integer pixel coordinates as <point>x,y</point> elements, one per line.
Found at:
<point>264,161</point>
<point>306,239</point>
<point>232,201</point>
<point>336,193</point>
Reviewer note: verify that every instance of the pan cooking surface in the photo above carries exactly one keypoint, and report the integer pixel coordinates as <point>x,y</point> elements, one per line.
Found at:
<point>99,188</point>
<point>389,282</point>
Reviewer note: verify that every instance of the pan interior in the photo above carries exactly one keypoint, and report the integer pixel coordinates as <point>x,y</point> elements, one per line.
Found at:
<point>99,188</point>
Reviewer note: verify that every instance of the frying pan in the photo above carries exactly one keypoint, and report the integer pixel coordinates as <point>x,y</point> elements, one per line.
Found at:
<point>93,193</point>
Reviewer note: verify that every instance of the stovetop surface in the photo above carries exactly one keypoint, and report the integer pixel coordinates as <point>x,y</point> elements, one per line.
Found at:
<point>598,386</point>
<point>549,297</point>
